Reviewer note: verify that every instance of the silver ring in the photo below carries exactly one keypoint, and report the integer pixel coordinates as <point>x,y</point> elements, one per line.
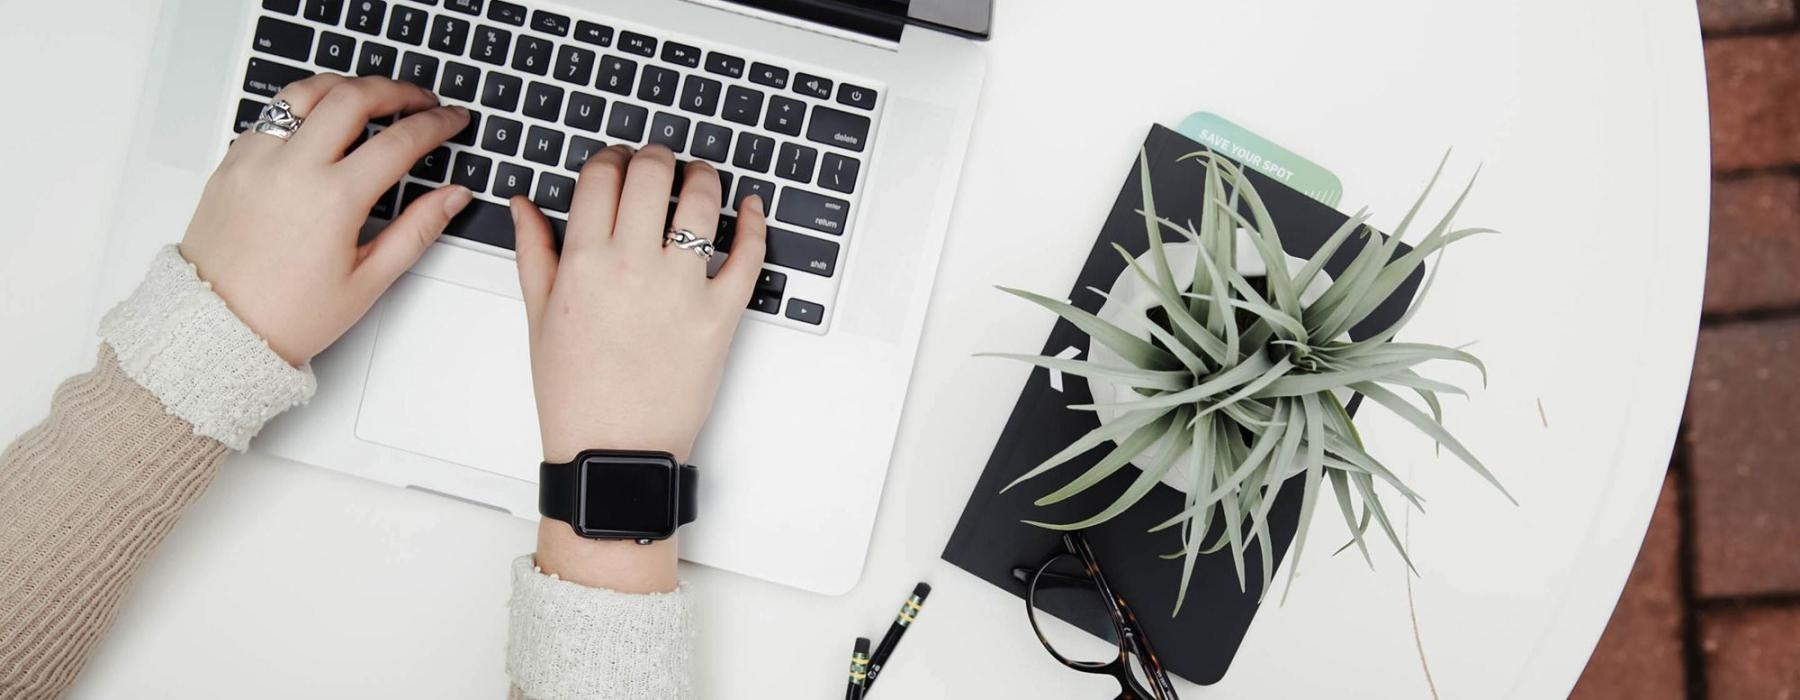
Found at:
<point>686,240</point>
<point>277,119</point>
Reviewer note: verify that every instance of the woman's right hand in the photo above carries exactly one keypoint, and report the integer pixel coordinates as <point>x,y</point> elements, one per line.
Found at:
<point>628,337</point>
<point>275,232</point>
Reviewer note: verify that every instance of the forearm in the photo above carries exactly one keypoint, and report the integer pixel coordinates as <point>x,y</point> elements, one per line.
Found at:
<point>88,495</point>
<point>85,498</point>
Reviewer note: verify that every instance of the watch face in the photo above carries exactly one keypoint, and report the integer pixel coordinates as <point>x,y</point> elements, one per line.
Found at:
<point>628,496</point>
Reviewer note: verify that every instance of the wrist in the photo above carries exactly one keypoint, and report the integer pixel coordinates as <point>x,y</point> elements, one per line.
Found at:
<point>561,448</point>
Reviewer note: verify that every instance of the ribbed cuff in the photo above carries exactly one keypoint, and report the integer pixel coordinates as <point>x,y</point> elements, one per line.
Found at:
<point>175,337</point>
<point>567,640</point>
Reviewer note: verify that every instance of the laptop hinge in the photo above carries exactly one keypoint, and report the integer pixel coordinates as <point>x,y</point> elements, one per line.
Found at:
<point>876,19</point>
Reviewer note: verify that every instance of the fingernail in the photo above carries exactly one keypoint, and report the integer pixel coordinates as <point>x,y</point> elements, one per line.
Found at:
<point>459,109</point>
<point>457,199</point>
<point>755,202</point>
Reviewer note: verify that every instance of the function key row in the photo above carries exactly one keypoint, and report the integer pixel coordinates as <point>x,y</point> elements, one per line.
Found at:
<point>407,23</point>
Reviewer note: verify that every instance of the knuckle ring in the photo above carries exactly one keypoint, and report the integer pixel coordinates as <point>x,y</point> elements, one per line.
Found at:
<point>277,119</point>
<point>686,240</point>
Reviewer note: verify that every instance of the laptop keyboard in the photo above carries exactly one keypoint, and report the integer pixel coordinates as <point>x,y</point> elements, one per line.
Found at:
<point>547,90</point>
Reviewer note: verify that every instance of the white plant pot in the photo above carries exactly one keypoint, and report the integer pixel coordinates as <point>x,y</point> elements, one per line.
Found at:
<point>1128,300</point>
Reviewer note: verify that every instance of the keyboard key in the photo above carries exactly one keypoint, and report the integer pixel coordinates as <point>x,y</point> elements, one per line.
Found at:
<point>765,302</point>
<point>265,77</point>
<point>286,7</point>
<point>501,136</point>
<point>375,59</point>
<point>633,42</point>
<point>411,193</point>
<point>532,55</point>
<point>336,51</point>
<point>681,54</point>
<point>544,146</point>
<point>502,11</point>
<point>591,33</point>
<point>511,179</point>
<point>284,39</point>
<point>658,85</point>
<point>490,45</point>
<point>798,251</point>
<point>248,111</point>
<point>727,230</point>
<point>471,171</point>
<point>725,64</point>
<point>501,91</point>
<point>838,128</point>
<point>856,96</point>
<point>550,22</point>
<point>627,122</point>
<point>585,111</point>
<point>485,222</point>
<point>326,11</point>
<point>743,105</point>
<point>812,85</point>
<point>805,311</point>
<point>554,192</point>
<point>581,148</point>
<point>574,64</point>
<point>700,95</point>
<point>814,211</point>
<point>384,206</point>
<point>466,137</point>
<point>434,166</point>
<point>724,182</point>
<point>771,282</point>
<point>765,74</point>
<point>795,162</point>
<point>616,74</point>
<point>754,152</point>
<point>449,34</point>
<point>407,24</point>
<point>469,7</point>
<point>419,69</point>
<point>785,115</point>
<point>460,81</point>
<point>543,101</point>
<point>711,142</point>
<point>366,16</point>
<point>748,186</point>
<point>838,173</point>
<point>669,130</point>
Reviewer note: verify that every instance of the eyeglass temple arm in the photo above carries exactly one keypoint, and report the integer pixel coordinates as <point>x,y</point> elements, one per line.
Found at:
<point>1023,575</point>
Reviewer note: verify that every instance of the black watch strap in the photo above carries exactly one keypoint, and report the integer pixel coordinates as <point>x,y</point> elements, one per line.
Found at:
<point>559,492</point>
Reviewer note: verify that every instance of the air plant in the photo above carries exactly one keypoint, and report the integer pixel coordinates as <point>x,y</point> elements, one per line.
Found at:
<point>1246,380</point>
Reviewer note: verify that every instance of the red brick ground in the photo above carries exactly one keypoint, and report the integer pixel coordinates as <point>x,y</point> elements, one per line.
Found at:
<point>1712,610</point>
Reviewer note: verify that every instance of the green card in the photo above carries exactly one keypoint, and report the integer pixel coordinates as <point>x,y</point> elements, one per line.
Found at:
<point>1264,156</point>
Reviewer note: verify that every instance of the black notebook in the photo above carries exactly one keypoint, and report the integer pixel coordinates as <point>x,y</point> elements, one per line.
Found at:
<point>990,539</point>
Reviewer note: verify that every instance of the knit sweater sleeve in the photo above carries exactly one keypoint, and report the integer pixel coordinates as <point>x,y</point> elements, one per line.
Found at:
<point>87,495</point>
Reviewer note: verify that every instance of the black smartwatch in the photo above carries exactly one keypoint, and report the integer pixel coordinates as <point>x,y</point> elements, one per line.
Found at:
<point>620,494</point>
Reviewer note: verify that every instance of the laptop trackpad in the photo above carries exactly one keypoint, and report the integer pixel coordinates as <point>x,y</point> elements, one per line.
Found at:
<point>451,378</point>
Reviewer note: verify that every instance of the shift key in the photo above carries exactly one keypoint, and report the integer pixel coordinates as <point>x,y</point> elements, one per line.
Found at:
<point>815,211</point>
<point>798,251</point>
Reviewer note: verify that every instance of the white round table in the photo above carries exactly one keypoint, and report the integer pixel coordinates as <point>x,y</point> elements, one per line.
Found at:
<point>1588,120</point>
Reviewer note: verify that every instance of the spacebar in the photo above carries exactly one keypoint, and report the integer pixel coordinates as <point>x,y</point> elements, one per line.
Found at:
<point>490,223</point>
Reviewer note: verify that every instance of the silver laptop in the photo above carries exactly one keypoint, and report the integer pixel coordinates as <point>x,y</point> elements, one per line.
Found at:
<point>850,116</point>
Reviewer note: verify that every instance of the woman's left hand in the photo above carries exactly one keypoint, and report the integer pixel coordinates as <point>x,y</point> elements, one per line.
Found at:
<point>275,232</point>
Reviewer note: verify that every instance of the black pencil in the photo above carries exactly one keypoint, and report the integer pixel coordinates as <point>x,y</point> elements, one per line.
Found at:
<point>909,611</point>
<point>859,669</point>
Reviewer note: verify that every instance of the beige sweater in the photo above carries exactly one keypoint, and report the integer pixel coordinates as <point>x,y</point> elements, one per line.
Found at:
<point>88,495</point>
